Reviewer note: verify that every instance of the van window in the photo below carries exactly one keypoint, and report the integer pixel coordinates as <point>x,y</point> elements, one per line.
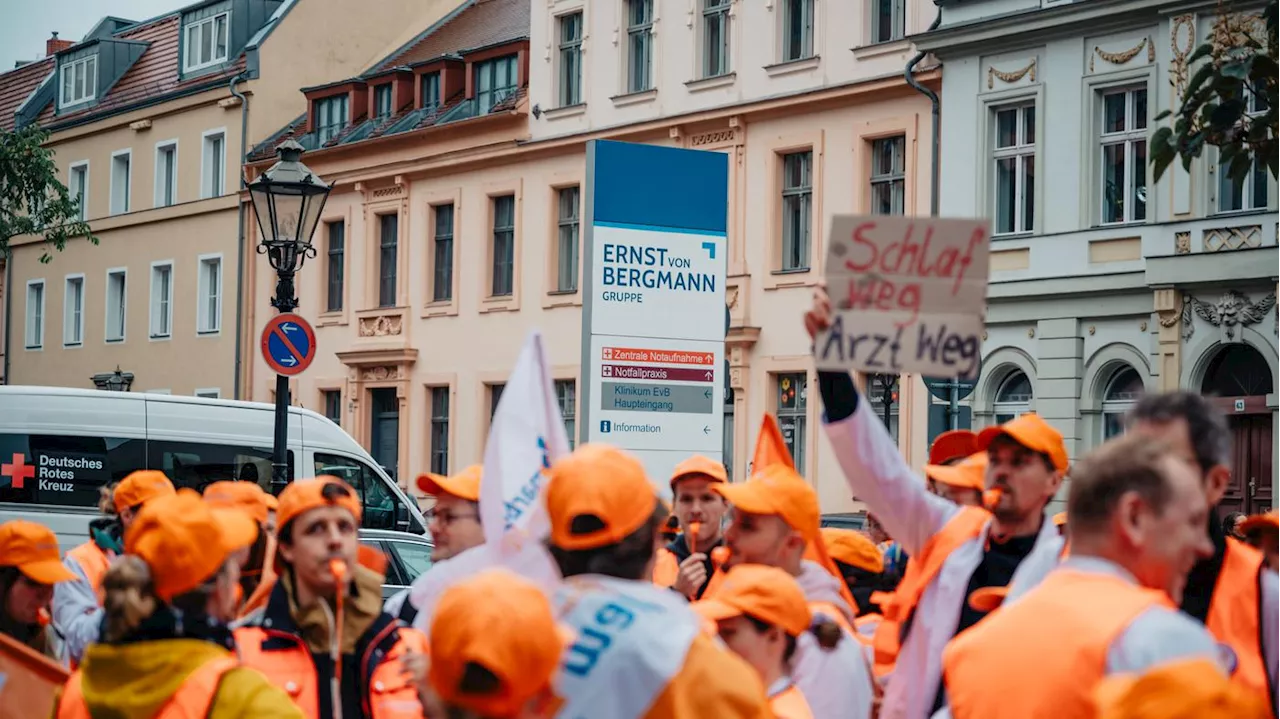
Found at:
<point>64,470</point>
<point>197,465</point>
<point>378,501</point>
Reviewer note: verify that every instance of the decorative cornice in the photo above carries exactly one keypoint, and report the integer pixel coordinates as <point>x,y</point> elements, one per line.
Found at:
<point>1120,58</point>
<point>1233,309</point>
<point>1011,77</point>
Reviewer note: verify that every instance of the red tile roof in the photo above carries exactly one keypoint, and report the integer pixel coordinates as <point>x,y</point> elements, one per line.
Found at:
<point>483,23</point>
<point>17,85</point>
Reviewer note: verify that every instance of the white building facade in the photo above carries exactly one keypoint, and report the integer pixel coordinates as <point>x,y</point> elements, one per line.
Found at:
<point>1105,284</point>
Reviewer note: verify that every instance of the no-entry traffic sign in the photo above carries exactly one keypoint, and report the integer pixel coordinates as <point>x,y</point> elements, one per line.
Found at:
<point>288,344</point>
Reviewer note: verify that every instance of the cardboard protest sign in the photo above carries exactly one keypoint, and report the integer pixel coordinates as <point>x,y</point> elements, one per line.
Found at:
<point>28,681</point>
<point>908,295</point>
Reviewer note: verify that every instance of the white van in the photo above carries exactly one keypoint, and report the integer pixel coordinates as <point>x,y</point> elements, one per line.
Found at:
<point>58,446</point>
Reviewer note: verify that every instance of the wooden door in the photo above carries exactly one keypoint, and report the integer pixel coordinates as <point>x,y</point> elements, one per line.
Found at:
<point>1251,487</point>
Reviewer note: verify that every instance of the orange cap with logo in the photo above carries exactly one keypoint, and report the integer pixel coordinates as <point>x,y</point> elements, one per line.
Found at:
<point>1032,432</point>
<point>464,484</point>
<point>602,483</point>
<point>1184,689</point>
<point>141,486</point>
<point>765,593</point>
<point>968,473</point>
<point>247,497</point>
<point>700,466</point>
<point>303,495</point>
<point>951,445</point>
<point>780,491</point>
<point>504,624</point>
<point>853,548</point>
<point>33,549</point>
<point>185,541</point>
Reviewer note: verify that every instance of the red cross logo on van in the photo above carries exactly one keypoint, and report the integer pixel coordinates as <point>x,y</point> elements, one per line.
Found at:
<point>18,472</point>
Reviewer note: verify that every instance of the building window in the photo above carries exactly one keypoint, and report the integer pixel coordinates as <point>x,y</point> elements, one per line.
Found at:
<point>161,300</point>
<point>888,176</point>
<point>888,20</point>
<point>797,210</point>
<point>496,80</point>
<point>332,405</point>
<point>1123,392</point>
<point>570,59</point>
<point>1124,156</point>
<point>1013,399</point>
<point>797,29</point>
<point>442,279</point>
<point>35,315</point>
<point>116,298</point>
<point>567,249</point>
<point>382,102</point>
<point>206,42</point>
<point>715,37</point>
<point>73,312</point>
<point>639,45</point>
<point>1248,192</point>
<point>214,165</point>
<point>79,80</point>
<point>335,256</point>
<point>331,117</point>
<point>567,398</point>
<point>792,414</point>
<point>726,445</point>
<point>882,389</point>
<point>431,91</point>
<point>504,246</point>
<point>121,178</point>
<point>209,314</point>
<point>389,232</point>
<point>384,423</point>
<point>166,174</point>
<point>79,187</point>
<point>495,396</point>
<point>1014,153</point>
<point>439,429</point>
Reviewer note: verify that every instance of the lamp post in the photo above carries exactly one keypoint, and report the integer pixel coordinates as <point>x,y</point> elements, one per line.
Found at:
<point>287,200</point>
<point>113,381</point>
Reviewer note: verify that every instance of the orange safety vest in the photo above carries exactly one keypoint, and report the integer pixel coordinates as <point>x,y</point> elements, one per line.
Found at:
<point>790,704</point>
<point>665,568</point>
<point>921,571</point>
<point>1234,613</point>
<point>93,562</point>
<point>1015,664</point>
<point>193,698</point>
<point>392,695</point>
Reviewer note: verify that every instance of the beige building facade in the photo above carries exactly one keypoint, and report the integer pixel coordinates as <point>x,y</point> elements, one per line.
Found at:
<point>148,122</point>
<point>454,225</point>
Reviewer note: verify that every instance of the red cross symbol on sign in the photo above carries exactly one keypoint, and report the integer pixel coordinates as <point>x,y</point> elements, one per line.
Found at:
<point>19,471</point>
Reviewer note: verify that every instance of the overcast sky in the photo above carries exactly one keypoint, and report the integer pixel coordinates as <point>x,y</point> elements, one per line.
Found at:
<point>26,24</point>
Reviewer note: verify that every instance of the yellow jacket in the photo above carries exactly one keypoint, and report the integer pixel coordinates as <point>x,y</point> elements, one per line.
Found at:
<point>132,681</point>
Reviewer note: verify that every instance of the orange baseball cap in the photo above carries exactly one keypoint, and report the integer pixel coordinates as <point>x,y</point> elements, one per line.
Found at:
<point>141,486</point>
<point>464,484</point>
<point>303,495</point>
<point>1270,520</point>
<point>953,444</point>
<point>1032,432</point>
<point>968,473</point>
<point>247,497</point>
<point>987,599</point>
<point>853,548</point>
<point>1184,689</point>
<point>765,593</point>
<point>503,623</point>
<point>598,481</point>
<point>699,465</point>
<point>185,541</point>
<point>33,549</point>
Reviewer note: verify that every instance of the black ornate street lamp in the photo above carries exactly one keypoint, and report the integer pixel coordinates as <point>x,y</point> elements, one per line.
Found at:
<point>287,200</point>
<point>113,381</point>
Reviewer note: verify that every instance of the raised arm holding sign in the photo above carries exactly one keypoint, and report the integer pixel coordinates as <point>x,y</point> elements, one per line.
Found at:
<point>909,293</point>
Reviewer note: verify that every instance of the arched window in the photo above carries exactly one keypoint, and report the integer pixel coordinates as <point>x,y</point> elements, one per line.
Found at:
<point>1124,389</point>
<point>1237,371</point>
<point>1013,398</point>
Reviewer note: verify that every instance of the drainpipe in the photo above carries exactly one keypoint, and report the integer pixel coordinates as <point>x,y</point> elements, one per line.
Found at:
<point>244,136</point>
<point>937,113</point>
<point>8,312</point>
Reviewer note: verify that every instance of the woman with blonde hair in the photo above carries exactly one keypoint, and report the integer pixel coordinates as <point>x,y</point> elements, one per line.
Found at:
<point>165,650</point>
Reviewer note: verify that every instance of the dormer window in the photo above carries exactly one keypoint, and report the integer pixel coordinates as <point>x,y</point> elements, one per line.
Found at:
<point>331,116</point>
<point>431,91</point>
<point>382,102</point>
<point>206,42</point>
<point>496,80</point>
<point>79,80</point>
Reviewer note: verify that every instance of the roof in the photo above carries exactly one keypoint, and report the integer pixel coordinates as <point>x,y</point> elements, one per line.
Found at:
<point>477,24</point>
<point>18,85</point>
